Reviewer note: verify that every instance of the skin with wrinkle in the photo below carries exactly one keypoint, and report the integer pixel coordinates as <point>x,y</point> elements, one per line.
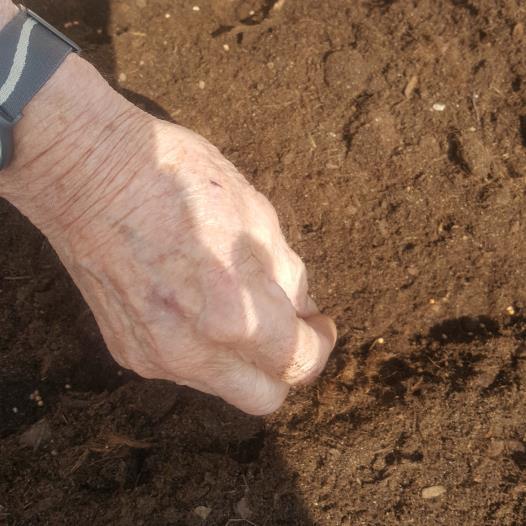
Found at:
<point>182,262</point>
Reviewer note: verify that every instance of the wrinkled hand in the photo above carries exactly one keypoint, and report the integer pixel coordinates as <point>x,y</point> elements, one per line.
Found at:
<point>182,262</point>
<point>190,279</point>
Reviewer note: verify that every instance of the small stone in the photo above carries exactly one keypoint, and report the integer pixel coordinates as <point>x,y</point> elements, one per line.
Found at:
<point>68,386</point>
<point>167,15</point>
<point>202,84</point>
<point>243,509</point>
<point>410,87</point>
<point>38,434</point>
<point>433,491</point>
<point>202,512</point>
<point>123,77</point>
<point>510,310</point>
<point>519,488</point>
<point>496,448</point>
<point>196,8</point>
<point>15,410</point>
<point>40,403</point>
<point>518,31</point>
<point>380,341</point>
<point>226,47</point>
<point>438,106</point>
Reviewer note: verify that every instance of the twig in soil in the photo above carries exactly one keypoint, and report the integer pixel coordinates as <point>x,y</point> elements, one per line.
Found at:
<point>434,363</point>
<point>79,462</point>
<point>114,441</point>
<point>474,98</point>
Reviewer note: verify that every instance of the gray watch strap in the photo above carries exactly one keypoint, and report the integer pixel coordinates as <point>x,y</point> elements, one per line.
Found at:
<point>30,52</point>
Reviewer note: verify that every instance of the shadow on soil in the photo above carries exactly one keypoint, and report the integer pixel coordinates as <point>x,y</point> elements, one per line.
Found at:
<point>170,440</point>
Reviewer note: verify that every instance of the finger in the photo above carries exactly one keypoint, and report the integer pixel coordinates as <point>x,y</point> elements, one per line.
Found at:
<point>282,264</point>
<point>243,385</point>
<point>285,346</point>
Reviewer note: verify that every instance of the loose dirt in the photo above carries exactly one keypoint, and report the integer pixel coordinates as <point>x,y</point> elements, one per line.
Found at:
<point>391,137</point>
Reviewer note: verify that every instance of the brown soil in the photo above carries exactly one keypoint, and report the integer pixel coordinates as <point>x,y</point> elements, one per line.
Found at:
<point>411,221</point>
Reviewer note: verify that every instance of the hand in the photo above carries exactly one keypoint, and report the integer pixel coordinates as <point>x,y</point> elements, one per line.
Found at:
<point>182,262</point>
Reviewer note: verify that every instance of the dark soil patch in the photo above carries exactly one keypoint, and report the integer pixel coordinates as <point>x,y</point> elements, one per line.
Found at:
<point>412,224</point>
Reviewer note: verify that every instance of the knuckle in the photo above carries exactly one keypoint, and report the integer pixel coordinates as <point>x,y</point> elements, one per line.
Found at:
<point>303,373</point>
<point>221,327</point>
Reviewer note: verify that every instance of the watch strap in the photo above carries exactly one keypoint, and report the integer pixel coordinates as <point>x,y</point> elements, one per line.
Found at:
<point>30,52</point>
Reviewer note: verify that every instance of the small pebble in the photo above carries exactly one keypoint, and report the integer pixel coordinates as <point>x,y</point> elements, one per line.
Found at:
<point>15,410</point>
<point>167,15</point>
<point>202,512</point>
<point>410,87</point>
<point>226,47</point>
<point>518,31</point>
<point>438,106</point>
<point>243,509</point>
<point>40,403</point>
<point>433,491</point>
<point>510,310</point>
<point>68,386</point>
<point>196,8</point>
<point>122,77</point>
<point>381,341</point>
<point>202,84</point>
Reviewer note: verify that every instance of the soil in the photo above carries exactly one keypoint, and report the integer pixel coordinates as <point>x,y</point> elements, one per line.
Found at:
<point>411,221</point>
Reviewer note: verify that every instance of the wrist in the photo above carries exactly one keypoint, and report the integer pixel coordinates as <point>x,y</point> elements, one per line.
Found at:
<point>65,147</point>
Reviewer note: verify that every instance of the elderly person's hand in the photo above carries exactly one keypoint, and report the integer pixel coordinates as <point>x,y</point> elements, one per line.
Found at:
<point>182,262</point>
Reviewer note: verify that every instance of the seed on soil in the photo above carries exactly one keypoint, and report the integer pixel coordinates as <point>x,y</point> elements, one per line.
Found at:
<point>167,15</point>
<point>433,491</point>
<point>438,106</point>
<point>123,77</point>
<point>196,8</point>
<point>15,410</point>
<point>202,84</point>
<point>68,386</point>
<point>226,47</point>
<point>380,341</point>
<point>40,403</point>
<point>510,310</point>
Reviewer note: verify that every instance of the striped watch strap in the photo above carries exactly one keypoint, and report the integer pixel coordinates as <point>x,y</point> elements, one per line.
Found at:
<point>30,52</point>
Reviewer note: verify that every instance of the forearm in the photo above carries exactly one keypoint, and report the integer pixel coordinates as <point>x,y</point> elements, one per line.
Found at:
<point>64,142</point>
